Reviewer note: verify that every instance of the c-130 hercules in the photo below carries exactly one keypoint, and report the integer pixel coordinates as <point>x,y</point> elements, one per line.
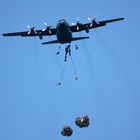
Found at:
<point>63,30</point>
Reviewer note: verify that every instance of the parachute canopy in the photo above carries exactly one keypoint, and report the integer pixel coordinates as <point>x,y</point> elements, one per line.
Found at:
<point>82,121</point>
<point>67,131</point>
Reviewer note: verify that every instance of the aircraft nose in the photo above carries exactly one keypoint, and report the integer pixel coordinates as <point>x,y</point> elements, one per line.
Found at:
<point>62,24</point>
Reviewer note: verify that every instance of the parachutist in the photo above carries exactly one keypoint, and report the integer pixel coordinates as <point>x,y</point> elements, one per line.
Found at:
<point>67,131</point>
<point>58,51</point>
<point>59,84</point>
<point>67,51</point>
<point>76,78</point>
<point>76,47</point>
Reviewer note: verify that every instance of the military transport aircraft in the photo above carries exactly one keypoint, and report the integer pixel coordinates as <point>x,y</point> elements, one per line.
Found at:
<point>63,30</point>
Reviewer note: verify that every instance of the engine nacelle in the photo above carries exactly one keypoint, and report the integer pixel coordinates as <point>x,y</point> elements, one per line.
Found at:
<point>41,36</point>
<point>87,29</point>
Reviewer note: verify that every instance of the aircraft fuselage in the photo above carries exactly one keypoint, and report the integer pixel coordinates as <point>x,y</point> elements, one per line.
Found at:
<point>64,34</point>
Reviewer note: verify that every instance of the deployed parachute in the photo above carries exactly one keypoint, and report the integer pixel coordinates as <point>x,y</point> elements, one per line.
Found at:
<point>82,121</point>
<point>67,131</point>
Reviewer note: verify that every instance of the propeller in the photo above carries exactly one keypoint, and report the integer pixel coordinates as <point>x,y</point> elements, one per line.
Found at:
<point>31,29</point>
<point>93,21</point>
<point>47,28</point>
<point>78,24</point>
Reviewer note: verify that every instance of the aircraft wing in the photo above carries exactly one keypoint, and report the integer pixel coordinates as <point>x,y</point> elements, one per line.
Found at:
<point>92,24</point>
<point>49,32</point>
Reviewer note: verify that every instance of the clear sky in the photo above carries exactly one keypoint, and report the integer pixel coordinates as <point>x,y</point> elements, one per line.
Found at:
<point>32,107</point>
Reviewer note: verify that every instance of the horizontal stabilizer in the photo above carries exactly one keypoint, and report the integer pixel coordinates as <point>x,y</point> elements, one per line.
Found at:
<point>73,39</point>
<point>50,42</point>
<point>79,38</point>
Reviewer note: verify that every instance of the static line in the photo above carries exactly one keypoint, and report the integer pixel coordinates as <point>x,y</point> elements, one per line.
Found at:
<point>76,78</point>
<point>62,75</point>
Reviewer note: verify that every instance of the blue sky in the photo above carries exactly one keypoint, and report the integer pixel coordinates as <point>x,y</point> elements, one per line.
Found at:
<point>32,107</point>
